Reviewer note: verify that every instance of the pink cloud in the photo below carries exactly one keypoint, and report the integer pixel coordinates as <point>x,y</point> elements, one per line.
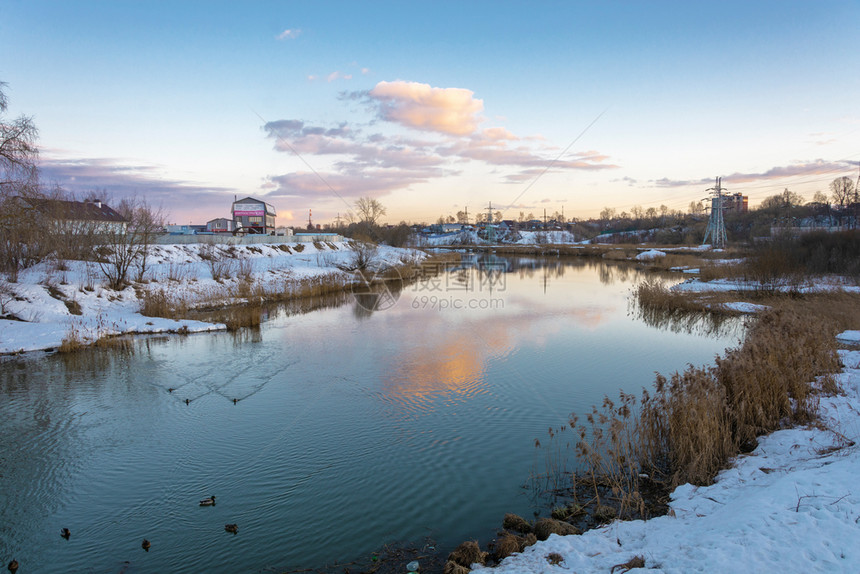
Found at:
<point>817,167</point>
<point>451,111</point>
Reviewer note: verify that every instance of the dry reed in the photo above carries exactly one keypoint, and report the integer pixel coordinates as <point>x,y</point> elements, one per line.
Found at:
<point>690,424</point>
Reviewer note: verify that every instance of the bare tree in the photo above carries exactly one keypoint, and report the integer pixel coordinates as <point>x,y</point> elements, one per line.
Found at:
<point>369,210</point>
<point>125,247</point>
<point>843,190</point>
<point>18,180</point>
<point>18,151</point>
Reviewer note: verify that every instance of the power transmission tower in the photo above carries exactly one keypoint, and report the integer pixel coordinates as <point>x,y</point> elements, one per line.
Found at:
<point>716,225</point>
<point>491,229</point>
<point>856,204</point>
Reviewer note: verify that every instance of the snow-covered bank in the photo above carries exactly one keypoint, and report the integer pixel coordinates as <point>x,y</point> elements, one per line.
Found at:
<point>817,285</point>
<point>792,505</point>
<point>50,302</point>
<point>471,237</point>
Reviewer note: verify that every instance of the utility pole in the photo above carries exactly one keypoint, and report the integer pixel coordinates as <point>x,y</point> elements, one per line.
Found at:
<point>716,225</point>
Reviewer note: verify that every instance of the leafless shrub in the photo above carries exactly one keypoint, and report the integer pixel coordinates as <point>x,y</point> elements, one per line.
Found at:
<point>363,256</point>
<point>177,272</point>
<point>7,295</point>
<point>220,265</point>
<point>244,268</point>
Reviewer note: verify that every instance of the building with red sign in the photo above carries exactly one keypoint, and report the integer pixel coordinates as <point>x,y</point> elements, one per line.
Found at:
<point>253,216</point>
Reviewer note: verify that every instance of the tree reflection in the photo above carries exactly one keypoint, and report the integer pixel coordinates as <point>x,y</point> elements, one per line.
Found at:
<point>693,322</point>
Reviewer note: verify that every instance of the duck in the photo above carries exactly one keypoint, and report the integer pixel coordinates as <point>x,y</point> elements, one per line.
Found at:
<point>65,533</point>
<point>235,401</point>
<point>187,401</point>
<point>145,544</point>
<point>208,501</point>
<point>231,528</point>
<point>13,566</point>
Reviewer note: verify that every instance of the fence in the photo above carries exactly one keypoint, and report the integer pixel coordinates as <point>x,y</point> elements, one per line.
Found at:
<point>248,239</point>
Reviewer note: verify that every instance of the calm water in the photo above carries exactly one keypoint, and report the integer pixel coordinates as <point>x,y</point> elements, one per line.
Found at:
<point>353,428</point>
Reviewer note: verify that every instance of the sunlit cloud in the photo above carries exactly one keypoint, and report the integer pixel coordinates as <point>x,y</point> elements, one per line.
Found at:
<point>352,161</point>
<point>420,106</point>
<point>289,34</point>
<point>817,167</point>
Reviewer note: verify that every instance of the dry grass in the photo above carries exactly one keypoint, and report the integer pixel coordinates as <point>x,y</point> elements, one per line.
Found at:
<point>653,294</point>
<point>73,341</point>
<point>159,303</point>
<point>691,423</point>
<point>242,316</point>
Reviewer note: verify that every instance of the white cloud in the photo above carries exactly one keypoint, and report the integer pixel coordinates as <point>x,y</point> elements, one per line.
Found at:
<point>337,75</point>
<point>289,34</point>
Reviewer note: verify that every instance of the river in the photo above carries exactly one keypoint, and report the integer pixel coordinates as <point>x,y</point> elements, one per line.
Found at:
<point>326,434</point>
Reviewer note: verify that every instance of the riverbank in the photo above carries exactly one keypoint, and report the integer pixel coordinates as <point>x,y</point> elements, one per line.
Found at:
<point>790,505</point>
<point>785,505</point>
<point>67,305</point>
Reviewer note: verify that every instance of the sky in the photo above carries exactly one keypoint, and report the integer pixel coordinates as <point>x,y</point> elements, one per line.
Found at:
<point>435,107</point>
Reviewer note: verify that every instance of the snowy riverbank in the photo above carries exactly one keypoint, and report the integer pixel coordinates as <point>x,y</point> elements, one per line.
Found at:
<point>791,505</point>
<point>51,301</point>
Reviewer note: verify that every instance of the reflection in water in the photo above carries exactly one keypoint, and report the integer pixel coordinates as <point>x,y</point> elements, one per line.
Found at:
<point>692,322</point>
<point>408,420</point>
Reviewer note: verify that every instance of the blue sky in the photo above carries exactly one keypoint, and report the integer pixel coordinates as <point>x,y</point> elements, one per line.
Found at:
<point>432,107</point>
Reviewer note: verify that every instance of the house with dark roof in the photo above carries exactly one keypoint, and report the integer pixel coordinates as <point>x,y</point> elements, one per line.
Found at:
<point>91,216</point>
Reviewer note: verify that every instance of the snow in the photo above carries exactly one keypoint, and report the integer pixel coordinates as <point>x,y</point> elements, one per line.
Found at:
<point>819,285</point>
<point>471,237</point>
<point>792,505</point>
<point>849,337</point>
<point>742,307</point>
<point>182,271</point>
<point>650,255</point>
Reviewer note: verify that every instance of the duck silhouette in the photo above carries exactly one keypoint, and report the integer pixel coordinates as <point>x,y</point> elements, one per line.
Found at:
<point>231,528</point>
<point>13,566</point>
<point>208,501</point>
<point>65,533</point>
<point>145,544</point>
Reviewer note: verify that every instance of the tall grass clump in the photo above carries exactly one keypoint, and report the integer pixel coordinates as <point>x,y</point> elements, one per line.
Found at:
<point>689,425</point>
<point>696,420</point>
<point>652,294</point>
<point>767,379</point>
<point>73,341</point>
<point>159,303</point>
